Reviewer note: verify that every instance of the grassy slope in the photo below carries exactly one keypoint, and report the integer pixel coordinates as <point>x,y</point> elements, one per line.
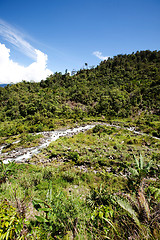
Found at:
<point>74,165</point>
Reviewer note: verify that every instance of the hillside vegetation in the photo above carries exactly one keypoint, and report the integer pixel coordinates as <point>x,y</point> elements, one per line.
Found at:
<point>122,86</point>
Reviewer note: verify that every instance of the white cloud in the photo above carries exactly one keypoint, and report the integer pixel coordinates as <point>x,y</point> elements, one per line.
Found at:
<point>11,71</point>
<point>99,55</point>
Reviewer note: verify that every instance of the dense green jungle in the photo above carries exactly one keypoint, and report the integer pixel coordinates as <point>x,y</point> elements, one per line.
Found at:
<point>103,183</point>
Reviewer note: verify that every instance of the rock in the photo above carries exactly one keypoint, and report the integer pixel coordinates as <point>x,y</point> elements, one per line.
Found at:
<point>108,169</point>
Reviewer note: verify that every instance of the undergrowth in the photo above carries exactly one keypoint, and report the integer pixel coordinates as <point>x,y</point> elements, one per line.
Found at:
<point>101,184</point>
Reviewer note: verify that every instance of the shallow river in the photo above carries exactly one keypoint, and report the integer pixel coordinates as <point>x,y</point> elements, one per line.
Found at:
<point>21,155</point>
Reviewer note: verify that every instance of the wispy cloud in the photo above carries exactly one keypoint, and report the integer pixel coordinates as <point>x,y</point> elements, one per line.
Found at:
<point>100,56</point>
<point>11,71</point>
<point>12,35</point>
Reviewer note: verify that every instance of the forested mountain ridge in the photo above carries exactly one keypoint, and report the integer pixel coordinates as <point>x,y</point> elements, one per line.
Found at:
<point>120,86</point>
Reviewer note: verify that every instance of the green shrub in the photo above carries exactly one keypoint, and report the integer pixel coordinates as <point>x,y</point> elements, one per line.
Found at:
<point>74,156</point>
<point>98,128</point>
<point>47,174</point>
<point>5,170</point>
<point>11,224</point>
<point>69,176</point>
<point>58,214</point>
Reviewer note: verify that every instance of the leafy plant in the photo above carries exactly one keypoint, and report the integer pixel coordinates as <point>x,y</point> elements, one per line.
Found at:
<point>145,217</point>
<point>5,170</point>
<point>138,173</point>
<point>98,196</point>
<point>136,212</point>
<point>58,213</point>
<point>74,156</point>
<point>11,225</point>
<point>102,223</point>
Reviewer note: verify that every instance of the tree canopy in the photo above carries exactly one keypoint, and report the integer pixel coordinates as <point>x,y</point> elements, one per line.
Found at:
<point>120,86</point>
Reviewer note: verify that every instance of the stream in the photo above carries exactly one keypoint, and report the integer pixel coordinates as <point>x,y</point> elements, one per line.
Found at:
<point>21,155</point>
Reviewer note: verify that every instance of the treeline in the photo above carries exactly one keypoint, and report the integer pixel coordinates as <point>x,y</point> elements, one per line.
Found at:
<point>121,86</point>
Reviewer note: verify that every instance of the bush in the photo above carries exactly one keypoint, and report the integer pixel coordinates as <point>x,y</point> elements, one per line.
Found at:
<point>74,156</point>
<point>98,128</point>
<point>11,224</point>
<point>60,215</point>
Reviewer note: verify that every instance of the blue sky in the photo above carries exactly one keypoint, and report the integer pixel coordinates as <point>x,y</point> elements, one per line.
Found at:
<point>72,32</point>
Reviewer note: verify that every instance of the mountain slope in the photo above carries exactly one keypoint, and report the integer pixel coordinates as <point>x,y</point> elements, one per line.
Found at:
<point>121,86</point>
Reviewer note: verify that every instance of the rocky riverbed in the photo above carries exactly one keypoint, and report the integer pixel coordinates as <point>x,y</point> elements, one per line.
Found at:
<point>23,154</point>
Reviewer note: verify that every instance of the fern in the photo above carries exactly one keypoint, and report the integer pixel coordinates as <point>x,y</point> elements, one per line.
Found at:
<point>132,200</point>
<point>148,166</point>
<point>133,172</point>
<point>155,191</point>
<point>141,162</point>
<point>129,209</point>
<point>137,162</point>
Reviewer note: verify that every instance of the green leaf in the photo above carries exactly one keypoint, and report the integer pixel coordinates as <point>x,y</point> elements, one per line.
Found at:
<point>7,235</point>
<point>141,162</point>
<point>101,215</point>
<point>126,206</point>
<point>44,209</point>
<point>7,224</point>
<point>137,162</point>
<point>38,201</point>
<point>155,191</point>
<point>41,219</point>
<point>110,223</point>
<point>133,171</point>
<point>148,166</point>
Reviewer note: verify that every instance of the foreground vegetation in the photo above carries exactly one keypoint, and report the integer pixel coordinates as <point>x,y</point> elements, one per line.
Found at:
<point>102,184</point>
